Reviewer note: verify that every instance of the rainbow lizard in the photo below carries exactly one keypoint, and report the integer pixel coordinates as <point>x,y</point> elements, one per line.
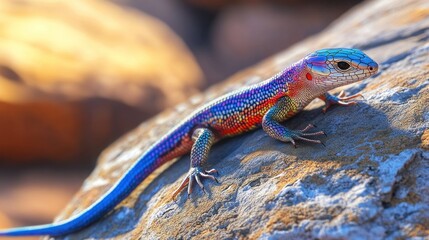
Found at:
<point>265,104</point>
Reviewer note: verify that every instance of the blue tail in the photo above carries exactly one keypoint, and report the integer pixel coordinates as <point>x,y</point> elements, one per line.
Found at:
<point>131,179</point>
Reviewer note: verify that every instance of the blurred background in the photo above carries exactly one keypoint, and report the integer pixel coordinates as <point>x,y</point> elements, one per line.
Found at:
<point>76,75</point>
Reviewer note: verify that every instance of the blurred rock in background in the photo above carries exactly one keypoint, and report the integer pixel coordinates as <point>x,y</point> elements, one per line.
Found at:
<point>75,75</point>
<point>226,36</point>
<point>33,196</point>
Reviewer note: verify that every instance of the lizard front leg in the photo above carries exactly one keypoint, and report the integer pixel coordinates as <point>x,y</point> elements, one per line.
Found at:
<point>203,140</point>
<point>341,100</point>
<point>279,113</point>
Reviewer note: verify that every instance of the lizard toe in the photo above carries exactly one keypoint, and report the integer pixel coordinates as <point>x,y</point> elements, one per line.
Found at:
<point>195,175</point>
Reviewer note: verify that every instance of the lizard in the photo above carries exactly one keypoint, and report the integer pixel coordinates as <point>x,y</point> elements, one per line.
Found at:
<point>265,104</point>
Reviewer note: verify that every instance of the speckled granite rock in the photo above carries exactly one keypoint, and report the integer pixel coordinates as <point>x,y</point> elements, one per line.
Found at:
<point>370,182</point>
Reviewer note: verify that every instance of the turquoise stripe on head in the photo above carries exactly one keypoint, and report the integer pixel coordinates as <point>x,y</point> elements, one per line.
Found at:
<point>339,66</point>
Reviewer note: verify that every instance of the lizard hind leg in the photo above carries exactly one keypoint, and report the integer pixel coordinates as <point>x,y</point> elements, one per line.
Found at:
<point>203,140</point>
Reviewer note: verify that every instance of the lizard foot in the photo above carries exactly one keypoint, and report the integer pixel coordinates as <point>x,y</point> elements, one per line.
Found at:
<point>304,134</point>
<point>341,100</point>
<point>195,174</point>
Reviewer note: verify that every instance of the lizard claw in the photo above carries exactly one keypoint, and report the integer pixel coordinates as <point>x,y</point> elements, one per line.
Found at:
<point>303,134</point>
<point>194,175</point>
<point>309,126</point>
<point>341,100</point>
<point>299,136</point>
<point>307,139</point>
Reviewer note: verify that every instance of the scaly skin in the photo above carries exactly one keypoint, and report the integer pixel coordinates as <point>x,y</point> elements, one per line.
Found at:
<point>265,104</point>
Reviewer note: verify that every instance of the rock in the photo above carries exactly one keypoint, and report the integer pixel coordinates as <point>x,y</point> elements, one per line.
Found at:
<point>425,139</point>
<point>246,33</point>
<point>75,75</point>
<point>226,36</point>
<point>5,221</point>
<point>219,4</point>
<point>371,181</point>
<point>23,199</point>
<point>176,14</point>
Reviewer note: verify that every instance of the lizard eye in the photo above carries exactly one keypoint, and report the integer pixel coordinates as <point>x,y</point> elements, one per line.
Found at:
<point>343,65</point>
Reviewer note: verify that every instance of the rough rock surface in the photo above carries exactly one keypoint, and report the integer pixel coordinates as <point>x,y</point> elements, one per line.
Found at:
<point>72,79</point>
<point>371,181</point>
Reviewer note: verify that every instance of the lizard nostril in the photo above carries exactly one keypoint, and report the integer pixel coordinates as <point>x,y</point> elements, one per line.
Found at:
<point>371,68</point>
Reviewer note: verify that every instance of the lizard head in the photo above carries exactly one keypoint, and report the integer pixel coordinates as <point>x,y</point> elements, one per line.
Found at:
<point>334,67</point>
